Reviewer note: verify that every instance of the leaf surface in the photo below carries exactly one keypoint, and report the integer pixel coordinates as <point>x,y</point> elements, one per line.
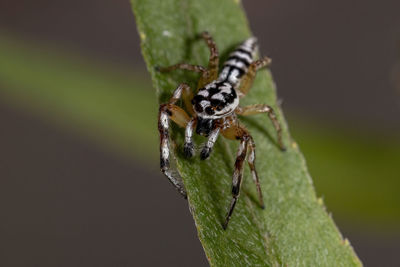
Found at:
<point>294,228</point>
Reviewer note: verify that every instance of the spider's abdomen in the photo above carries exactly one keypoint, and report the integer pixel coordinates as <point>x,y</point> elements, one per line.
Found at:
<point>219,98</point>
<point>238,62</point>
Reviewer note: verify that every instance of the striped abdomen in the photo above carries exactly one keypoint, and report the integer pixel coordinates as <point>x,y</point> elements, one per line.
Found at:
<point>238,62</point>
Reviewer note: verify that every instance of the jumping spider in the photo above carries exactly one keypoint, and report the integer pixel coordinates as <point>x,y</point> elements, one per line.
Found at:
<point>214,111</point>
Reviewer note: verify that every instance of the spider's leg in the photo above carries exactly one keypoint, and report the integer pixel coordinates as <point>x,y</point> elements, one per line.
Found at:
<point>182,66</point>
<point>179,116</point>
<point>205,152</point>
<point>236,132</point>
<point>183,91</point>
<point>188,94</point>
<point>248,78</point>
<point>237,177</point>
<point>188,147</point>
<point>213,62</point>
<point>251,158</point>
<point>262,108</point>
<point>171,111</point>
<point>207,74</point>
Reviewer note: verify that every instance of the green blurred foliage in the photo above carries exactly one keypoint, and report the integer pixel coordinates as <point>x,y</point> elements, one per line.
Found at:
<point>99,99</point>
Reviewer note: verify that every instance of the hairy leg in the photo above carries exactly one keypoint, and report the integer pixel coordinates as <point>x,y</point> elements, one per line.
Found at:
<point>262,108</point>
<point>205,152</point>
<point>237,177</point>
<point>182,66</point>
<point>171,111</point>
<point>237,132</point>
<point>251,158</point>
<point>188,148</point>
<point>207,74</point>
<point>213,62</point>
<point>248,78</point>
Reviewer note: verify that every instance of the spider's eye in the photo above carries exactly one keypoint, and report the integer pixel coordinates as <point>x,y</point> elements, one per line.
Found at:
<point>218,104</point>
<point>209,111</point>
<point>197,99</point>
<point>198,108</point>
<point>229,98</point>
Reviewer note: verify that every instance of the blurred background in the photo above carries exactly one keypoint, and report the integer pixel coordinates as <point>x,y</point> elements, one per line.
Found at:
<point>79,178</point>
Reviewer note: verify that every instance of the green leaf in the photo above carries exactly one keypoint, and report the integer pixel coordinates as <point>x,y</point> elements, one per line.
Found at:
<point>294,229</point>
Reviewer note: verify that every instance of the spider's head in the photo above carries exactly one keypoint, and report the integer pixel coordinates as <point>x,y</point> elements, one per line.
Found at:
<point>216,100</point>
<point>204,126</point>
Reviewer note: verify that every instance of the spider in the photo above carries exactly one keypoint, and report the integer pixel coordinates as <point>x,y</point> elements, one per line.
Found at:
<point>214,111</point>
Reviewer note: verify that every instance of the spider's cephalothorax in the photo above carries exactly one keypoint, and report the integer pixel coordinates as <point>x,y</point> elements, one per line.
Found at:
<point>213,111</point>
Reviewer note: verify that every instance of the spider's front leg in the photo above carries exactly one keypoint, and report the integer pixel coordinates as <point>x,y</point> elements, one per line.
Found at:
<point>178,115</point>
<point>212,138</point>
<point>188,148</point>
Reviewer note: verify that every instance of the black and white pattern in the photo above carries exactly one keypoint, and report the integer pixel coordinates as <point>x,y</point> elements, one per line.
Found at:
<point>238,62</point>
<point>219,98</point>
